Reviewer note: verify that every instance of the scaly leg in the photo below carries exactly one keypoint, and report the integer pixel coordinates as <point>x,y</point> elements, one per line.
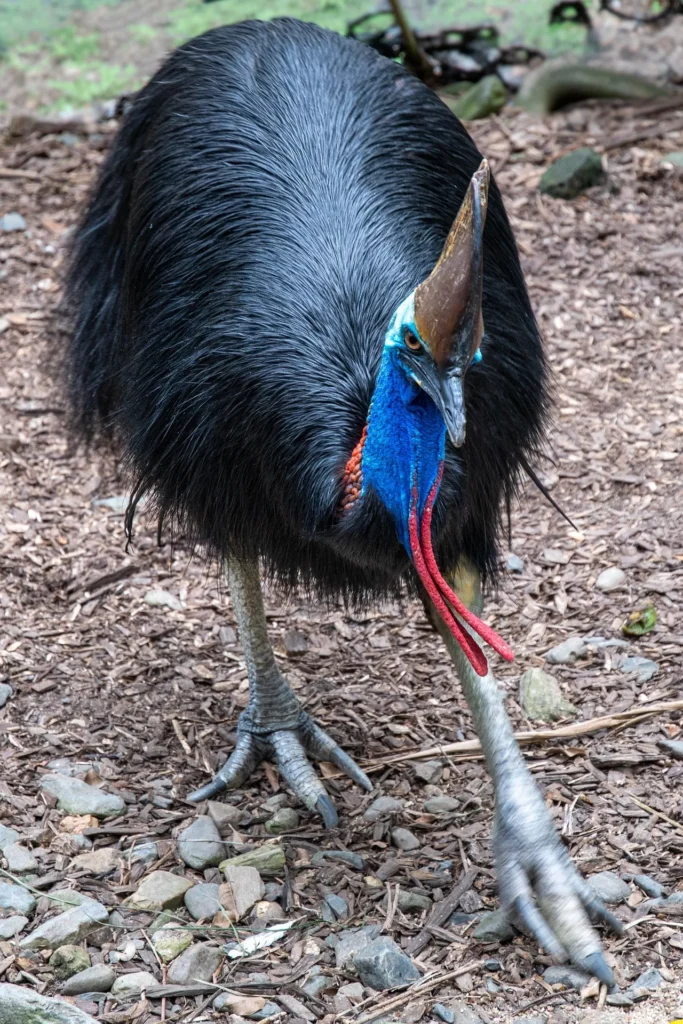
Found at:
<point>531,860</point>
<point>273,724</point>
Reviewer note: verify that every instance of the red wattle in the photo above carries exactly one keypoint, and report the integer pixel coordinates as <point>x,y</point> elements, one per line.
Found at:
<point>440,593</point>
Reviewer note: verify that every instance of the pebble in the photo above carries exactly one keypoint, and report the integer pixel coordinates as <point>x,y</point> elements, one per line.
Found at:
<point>129,986</point>
<point>103,861</point>
<point>610,579</point>
<point>513,563</point>
<point>19,860</point>
<point>318,983</point>
<point>12,222</point>
<point>145,854</point>
<point>541,698</point>
<point>66,928</point>
<point>62,899</point>
<point>643,668</point>
<point>8,836</point>
<point>609,887</point>
<point>418,901</point>
<point>381,807</point>
<point>240,1006</point>
<point>471,902</point>
<point>619,999</point>
<point>673,904</point>
<point>98,978</point>
<point>5,693</point>
<point>673,747</point>
<point>649,886</point>
<point>68,960</point>
<point>486,97</point>
<point>650,980</point>
<point>265,913</point>
<point>572,173</point>
<point>383,965</point>
<point>225,816</point>
<point>601,643</point>
<point>404,839</point>
<point>160,890</point>
<point>14,897</point>
<point>117,502</point>
<point>567,652</point>
<point>464,1014</point>
<point>162,599</point>
<point>563,974</point>
<point>197,963</point>
<point>268,859</point>
<point>295,642</point>
<point>20,1004</point>
<point>202,901</point>
<point>428,771</point>
<point>353,992</point>
<point>11,926</point>
<point>200,845</point>
<point>352,941</point>
<point>78,797</point>
<point>345,856</point>
<point>494,927</point>
<point>243,888</point>
<point>283,820</point>
<point>441,804</point>
<point>337,905</point>
<point>443,1013</point>
<point>170,942</point>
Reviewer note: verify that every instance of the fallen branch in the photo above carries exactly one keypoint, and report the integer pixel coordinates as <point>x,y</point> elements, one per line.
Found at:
<point>566,732</point>
<point>13,172</point>
<point>441,911</point>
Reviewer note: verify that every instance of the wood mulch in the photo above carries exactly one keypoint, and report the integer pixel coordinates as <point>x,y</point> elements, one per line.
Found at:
<point>149,695</point>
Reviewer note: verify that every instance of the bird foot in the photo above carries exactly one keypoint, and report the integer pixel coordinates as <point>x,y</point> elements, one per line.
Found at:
<point>541,888</point>
<point>289,748</point>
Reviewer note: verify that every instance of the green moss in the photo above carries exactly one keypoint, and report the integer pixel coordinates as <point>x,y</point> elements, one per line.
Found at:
<point>67,44</point>
<point>93,81</point>
<point>143,33</point>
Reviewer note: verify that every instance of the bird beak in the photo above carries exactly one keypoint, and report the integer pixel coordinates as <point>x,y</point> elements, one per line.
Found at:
<point>451,404</point>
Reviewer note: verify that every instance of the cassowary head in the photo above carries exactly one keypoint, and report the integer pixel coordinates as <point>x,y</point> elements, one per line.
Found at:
<point>432,341</point>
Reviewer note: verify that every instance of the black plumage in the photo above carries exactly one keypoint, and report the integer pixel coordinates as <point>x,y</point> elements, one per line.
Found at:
<point>274,193</point>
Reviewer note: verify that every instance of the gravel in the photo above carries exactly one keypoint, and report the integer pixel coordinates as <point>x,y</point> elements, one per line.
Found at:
<point>609,887</point>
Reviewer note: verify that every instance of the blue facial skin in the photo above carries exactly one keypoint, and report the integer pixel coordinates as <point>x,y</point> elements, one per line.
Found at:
<point>406,436</point>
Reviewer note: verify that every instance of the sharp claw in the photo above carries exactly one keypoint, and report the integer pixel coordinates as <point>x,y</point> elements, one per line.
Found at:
<point>216,785</point>
<point>531,917</point>
<point>596,965</point>
<point>348,765</point>
<point>322,746</point>
<point>327,811</point>
<point>599,912</point>
<point>234,772</point>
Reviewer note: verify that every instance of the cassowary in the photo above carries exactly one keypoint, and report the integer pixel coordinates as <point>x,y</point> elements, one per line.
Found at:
<point>298,309</point>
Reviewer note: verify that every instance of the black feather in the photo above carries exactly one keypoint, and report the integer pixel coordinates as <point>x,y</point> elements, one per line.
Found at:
<point>274,193</point>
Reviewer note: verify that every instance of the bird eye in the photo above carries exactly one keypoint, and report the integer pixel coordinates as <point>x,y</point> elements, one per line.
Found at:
<point>412,342</point>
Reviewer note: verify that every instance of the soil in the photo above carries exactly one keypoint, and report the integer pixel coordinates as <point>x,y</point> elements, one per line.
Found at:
<point>147,697</point>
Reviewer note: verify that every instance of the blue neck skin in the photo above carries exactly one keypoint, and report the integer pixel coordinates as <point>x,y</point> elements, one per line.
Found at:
<point>406,433</point>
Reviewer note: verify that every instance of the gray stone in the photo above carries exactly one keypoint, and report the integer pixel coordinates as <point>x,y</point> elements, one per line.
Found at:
<point>338,906</point>
<point>464,1014</point>
<point>78,797</point>
<point>513,563</point>
<point>103,861</point>
<point>8,836</point>
<point>130,986</point>
<point>619,999</point>
<point>12,222</point>
<point>200,845</point>
<point>19,860</point>
<point>69,927</point>
<point>536,1019</point>
<point>413,901</point>
<point>382,807</point>
<point>383,965</point>
<point>494,927</point>
<point>485,98</point>
<point>673,904</point>
<point>5,693</point>
<point>117,502</point>
<point>563,974</point>
<point>572,174</point>
<point>242,889</point>
<point>541,697</point>
<point>610,579</point>
<point>268,859</point>
<point>62,899</point>
<point>567,652</point>
<point>162,599</point>
<point>160,890</point>
<point>68,960</point>
<point>318,982</point>
<point>443,1013</point>
<point>428,771</point>
<point>352,941</point>
<point>601,643</point>
<point>674,748</point>
<point>14,897</point>
<point>146,853</point>
<point>295,642</point>
<point>609,887</point>
<point>98,978</point>
<point>404,839</point>
<point>441,804</point>
<point>345,856</point>
<point>649,886</point>
<point>11,926</point>
<point>170,942</point>
<point>202,901</point>
<point>20,1004</point>
<point>225,816</point>
<point>649,980</point>
<point>284,820</point>
<point>643,668</point>
<point>675,159</point>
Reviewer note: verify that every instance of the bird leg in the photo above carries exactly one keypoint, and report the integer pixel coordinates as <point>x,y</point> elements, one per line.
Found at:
<point>538,883</point>
<point>273,725</point>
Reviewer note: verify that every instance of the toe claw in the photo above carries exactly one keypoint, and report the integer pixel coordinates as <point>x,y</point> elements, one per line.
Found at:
<point>216,785</point>
<point>596,965</point>
<point>327,811</point>
<point>534,921</point>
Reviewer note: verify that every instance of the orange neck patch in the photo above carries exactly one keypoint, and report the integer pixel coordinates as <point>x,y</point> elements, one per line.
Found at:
<point>352,481</point>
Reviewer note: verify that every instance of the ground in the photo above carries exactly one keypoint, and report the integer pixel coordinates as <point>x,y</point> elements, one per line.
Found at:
<point>145,697</point>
